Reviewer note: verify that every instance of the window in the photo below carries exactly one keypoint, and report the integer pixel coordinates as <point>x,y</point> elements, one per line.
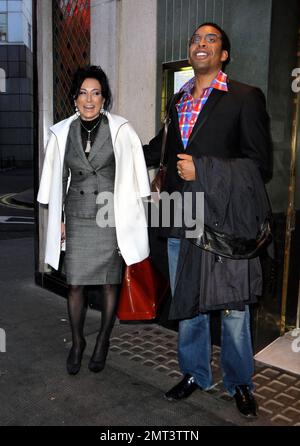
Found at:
<point>3,27</point>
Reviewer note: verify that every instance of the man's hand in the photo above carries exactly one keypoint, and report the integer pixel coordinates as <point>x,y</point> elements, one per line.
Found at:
<point>186,168</point>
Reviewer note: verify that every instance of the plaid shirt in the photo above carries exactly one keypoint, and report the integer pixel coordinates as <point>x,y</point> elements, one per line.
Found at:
<point>188,108</point>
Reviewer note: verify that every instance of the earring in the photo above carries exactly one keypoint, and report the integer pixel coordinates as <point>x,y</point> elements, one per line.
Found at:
<point>76,109</point>
<point>102,109</point>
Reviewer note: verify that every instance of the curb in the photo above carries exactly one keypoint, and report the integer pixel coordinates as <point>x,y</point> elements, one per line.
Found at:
<point>22,200</point>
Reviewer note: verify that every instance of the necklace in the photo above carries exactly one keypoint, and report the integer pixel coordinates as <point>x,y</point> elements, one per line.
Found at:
<point>88,143</point>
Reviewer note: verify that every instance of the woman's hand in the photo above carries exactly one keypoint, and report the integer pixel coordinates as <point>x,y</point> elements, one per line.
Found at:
<point>186,168</point>
<point>63,233</point>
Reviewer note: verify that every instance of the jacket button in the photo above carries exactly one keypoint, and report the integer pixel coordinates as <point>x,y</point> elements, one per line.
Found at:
<point>96,192</point>
<point>80,173</point>
<point>94,173</point>
<point>81,192</point>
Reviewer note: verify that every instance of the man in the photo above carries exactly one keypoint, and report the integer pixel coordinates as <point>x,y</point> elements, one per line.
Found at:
<point>215,118</point>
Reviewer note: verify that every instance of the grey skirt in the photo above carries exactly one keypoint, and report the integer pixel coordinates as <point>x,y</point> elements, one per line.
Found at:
<point>92,256</point>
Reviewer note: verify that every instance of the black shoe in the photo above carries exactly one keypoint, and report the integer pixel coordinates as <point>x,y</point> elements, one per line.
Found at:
<point>245,401</point>
<point>183,389</point>
<point>97,361</point>
<point>74,359</point>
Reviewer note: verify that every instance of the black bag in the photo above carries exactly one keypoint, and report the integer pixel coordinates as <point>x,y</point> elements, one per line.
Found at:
<point>232,247</point>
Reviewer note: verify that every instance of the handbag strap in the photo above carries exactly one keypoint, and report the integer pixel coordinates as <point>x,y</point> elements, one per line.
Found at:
<point>167,122</point>
<point>164,140</point>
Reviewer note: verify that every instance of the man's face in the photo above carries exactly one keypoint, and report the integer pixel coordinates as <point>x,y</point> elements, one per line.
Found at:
<point>206,56</point>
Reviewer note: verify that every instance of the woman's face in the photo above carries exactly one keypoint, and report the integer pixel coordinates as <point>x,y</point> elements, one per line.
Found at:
<point>90,100</point>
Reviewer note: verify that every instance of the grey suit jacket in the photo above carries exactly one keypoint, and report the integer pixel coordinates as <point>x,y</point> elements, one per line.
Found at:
<point>89,176</point>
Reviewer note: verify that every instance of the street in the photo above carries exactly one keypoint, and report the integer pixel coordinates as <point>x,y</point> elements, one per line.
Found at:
<point>16,220</point>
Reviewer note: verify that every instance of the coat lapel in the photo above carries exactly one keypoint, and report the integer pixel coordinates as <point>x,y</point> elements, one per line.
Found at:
<point>206,111</point>
<point>61,131</point>
<point>101,137</point>
<point>76,140</point>
<point>173,115</point>
<point>174,118</point>
<point>115,123</point>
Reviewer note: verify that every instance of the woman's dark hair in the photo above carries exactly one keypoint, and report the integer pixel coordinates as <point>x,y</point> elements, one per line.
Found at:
<point>226,45</point>
<point>94,72</point>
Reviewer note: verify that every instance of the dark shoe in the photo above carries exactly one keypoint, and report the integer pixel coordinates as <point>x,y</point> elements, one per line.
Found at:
<point>97,361</point>
<point>183,389</point>
<point>74,359</point>
<point>245,401</point>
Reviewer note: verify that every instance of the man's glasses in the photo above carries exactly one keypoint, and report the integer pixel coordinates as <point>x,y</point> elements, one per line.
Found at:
<point>209,38</point>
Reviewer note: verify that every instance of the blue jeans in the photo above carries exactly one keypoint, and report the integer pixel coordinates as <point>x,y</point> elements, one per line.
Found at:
<point>194,341</point>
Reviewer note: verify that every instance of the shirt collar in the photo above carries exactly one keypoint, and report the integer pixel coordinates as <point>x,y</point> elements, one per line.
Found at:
<point>219,83</point>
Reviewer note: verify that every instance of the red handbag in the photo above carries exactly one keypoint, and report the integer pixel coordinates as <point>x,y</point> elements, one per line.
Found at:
<point>143,290</point>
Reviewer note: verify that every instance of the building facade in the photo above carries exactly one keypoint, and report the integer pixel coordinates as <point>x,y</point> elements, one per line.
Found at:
<point>16,91</point>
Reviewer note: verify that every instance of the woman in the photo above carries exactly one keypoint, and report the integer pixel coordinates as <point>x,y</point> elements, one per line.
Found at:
<point>89,153</point>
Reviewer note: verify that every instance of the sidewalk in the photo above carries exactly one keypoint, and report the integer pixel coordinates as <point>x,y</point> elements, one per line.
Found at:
<point>141,366</point>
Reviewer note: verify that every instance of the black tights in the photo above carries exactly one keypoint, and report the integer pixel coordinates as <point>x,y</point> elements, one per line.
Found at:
<point>77,306</point>
<point>77,311</point>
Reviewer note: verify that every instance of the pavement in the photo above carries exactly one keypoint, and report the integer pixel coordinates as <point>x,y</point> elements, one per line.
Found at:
<point>36,390</point>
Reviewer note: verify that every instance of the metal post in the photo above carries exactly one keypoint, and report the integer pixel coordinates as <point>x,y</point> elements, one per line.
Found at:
<point>290,220</point>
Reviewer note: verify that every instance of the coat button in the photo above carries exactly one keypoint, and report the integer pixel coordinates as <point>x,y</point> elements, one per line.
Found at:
<point>94,173</point>
<point>81,192</point>
<point>96,192</point>
<point>80,173</point>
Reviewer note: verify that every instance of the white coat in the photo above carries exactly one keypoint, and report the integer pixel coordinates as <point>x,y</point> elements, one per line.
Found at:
<point>131,184</point>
